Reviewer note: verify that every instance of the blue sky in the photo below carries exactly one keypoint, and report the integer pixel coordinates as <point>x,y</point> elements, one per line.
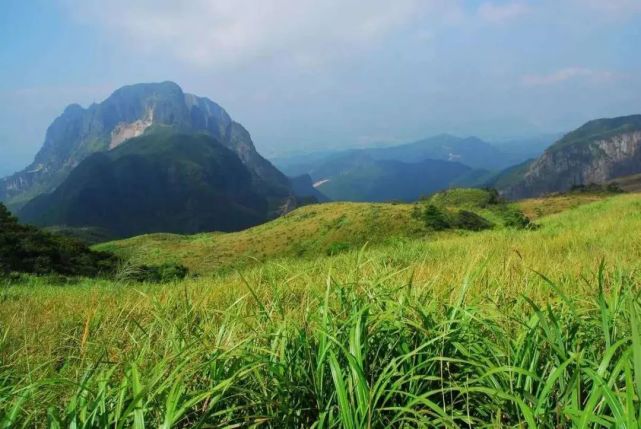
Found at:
<point>310,75</point>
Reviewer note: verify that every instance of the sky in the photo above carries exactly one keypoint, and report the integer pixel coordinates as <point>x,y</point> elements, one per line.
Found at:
<point>309,75</point>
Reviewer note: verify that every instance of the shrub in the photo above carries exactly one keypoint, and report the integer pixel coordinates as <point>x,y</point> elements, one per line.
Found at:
<point>164,273</point>
<point>514,218</point>
<point>435,219</point>
<point>614,188</point>
<point>493,196</point>
<point>27,249</point>
<point>470,221</point>
<point>595,188</point>
<point>336,248</point>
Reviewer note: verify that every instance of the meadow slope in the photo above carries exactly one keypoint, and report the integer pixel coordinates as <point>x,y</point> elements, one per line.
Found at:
<point>500,328</point>
<point>319,229</point>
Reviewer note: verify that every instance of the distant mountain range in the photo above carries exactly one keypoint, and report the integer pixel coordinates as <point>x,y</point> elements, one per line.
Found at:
<point>406,172</point>
<point>598,152</point>
<point>359,177</point>
<point>471,151</point>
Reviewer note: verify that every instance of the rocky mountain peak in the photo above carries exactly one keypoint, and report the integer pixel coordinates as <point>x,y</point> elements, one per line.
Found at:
<point>129,112</point>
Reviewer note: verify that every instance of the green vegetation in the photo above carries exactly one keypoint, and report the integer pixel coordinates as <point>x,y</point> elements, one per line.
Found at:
<point>435,218</point>
<point>599,129</point>
<point>471,198</point>
<point>306,232</point>
<point>161,181</point>
<point>535,208</point>
<point>163,273</point>
<point>471,209</point>
<point>25,248</point>
<point>457,331</point>
<point>319,229</point>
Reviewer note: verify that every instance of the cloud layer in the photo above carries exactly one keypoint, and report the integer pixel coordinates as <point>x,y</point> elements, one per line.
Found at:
<point>224,33</point>
<point>311,74</point>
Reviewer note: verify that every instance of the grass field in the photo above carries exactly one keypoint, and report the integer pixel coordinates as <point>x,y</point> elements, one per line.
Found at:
<point>307,232</point>
<point>318,230</point>
<point>500,328</point>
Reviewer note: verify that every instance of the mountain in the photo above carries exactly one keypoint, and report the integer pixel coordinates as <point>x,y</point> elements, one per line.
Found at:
<point>162,181</point>
<point>299,164</point>
<point>130,112</point>
<point>359,177</point>
<point>470,151</point>
<point>597,152</point>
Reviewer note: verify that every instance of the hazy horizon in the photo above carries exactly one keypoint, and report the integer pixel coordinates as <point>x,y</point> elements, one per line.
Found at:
<point>304,75</point>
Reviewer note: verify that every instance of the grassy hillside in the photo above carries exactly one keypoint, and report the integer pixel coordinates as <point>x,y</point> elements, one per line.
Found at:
<point>461,332</point>
<point>306,232</point>
<point>535,208</point>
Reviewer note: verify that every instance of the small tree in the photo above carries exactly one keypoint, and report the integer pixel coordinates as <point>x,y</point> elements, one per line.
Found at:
<point>435,219</point>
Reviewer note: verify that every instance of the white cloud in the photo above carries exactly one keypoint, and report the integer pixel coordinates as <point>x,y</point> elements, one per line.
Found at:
<point>231,33</point>
<point>499,13</point>
<point>567,74</point>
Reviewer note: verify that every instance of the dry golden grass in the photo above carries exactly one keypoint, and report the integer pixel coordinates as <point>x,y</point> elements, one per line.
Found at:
<point>535,208</point>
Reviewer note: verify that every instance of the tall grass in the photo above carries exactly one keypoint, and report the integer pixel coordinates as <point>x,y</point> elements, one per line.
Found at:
<point>362,354</point>
<point>399,336</point>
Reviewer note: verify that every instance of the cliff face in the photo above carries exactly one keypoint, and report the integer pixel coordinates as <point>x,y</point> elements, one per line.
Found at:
<point>591,154</point>
<point>129,112</point>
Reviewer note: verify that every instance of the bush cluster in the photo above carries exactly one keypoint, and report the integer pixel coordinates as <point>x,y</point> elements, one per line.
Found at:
<point>336,248</point>
<point>514,218</point>
<point>164,273</point>
<point>438,219</point>
<point>27,249</point>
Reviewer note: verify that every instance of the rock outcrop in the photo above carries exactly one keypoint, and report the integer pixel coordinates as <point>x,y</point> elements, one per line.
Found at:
<point>598,152</point>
